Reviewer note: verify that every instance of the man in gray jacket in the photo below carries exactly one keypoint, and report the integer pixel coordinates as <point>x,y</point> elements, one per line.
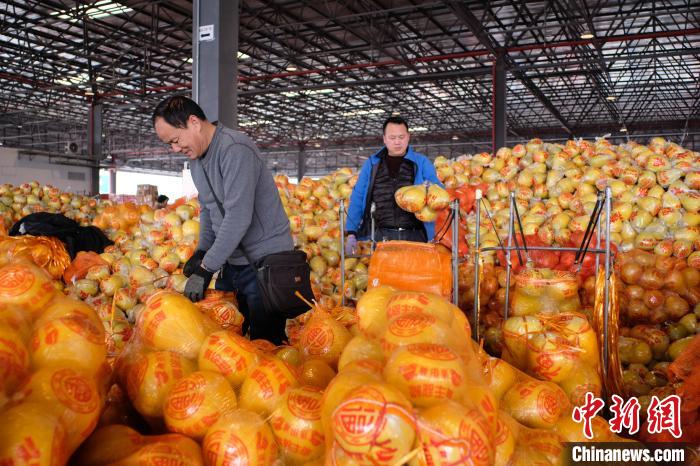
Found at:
<point>241,216</point>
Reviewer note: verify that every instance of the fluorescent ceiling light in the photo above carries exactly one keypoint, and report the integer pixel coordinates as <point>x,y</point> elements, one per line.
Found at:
<point>291,67</point>
<point>242,56</point>
<point>77,79</point>
<point>372,111</point>
<point>587,35</point>
<point>611,98</point>
<point>310,92</point>
<point>89,92</point>
<point>623,129</point>
<point>100,9</point>
<point>455,137</point>
<point>419,128</point>
<point>254,123</point>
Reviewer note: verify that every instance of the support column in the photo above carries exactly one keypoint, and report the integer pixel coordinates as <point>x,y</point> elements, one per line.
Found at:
<point>113,180</point>
<point>95,145</point>
<point>214,62</point>
<point>499,103</point>
<point>301,162</point>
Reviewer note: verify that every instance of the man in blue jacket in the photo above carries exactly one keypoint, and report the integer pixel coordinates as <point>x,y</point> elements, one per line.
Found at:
<point>394,166</point>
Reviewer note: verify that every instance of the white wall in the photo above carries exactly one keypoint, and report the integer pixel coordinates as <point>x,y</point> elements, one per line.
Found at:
<point>16,170</point>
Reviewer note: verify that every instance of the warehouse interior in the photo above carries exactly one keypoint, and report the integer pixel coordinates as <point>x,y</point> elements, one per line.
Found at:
<point>529,287</point>
<point>316,79</point>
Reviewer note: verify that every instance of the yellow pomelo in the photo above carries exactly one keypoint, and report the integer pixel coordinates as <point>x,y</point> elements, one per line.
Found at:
<point>71,341</point>
<point>190,228</point>
<point>482,398</point>
<point>572,431</point>
<point>337,390</point>
<point>171,449</point>
<point>414,327</point>
<point>31,434</point>
<point>377,421</point>
<point>551,357</point>
<point>499,376</point>
<point>109,444</point>
<point>411,198</point>
<point>14,360</point>
<point>323,338</point>
<point>296,423</point>
<point>371,310</point>
<point>26,286</point>
<point>545,442</point>
<point>581,381</point>
<point>336,456</point>
<point>535,404</point>
<point>242,437</point>
<point>365,365</point>
<point>12,318</point>
<point>266,384</point>
<point>289,354</point>
<point>61,306</point>
<point>196,402</point>
<point>461,327</point>
<point>451,433</point>
<point>316,373</point>
<point>579,332</point>
<point>426,373</point>
<point>170,322</point>
<point>229,354</point>
<point>72,395</point>
<point>403,302</point>
<point>360,347</point>
<point>151,378</point>
<point>523,456</point>
<point>516,332</point>
<point>504,439</point>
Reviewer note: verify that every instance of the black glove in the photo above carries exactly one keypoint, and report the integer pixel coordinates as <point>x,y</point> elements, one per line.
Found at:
<point>193,262</point>
<point>197,284</point>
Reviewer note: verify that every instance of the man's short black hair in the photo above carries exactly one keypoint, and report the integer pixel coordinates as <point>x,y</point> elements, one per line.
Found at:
<point>397,120</point>
<point>176,110</point>
<point>162,198</point>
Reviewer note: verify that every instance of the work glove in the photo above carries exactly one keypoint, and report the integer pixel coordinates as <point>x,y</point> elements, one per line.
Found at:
<point>350,245</point>
<point>197,284</point>
<point>193,262</point>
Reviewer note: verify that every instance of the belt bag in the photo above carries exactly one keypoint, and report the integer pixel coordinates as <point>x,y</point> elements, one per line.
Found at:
<point>280,276</point>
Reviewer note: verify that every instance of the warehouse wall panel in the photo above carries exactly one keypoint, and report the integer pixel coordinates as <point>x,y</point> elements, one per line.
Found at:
<point>17,170</point>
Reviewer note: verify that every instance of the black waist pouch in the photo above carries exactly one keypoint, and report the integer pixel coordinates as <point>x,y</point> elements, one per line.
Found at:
<point>280,276</point>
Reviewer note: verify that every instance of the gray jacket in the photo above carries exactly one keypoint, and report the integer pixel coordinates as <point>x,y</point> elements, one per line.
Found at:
<point>255,223</point>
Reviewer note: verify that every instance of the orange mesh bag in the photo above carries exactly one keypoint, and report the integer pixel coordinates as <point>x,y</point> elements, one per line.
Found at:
<point>686,369</point>
<point>412,266</point>
<point>81,264</point>
<point>47,252</point>
<point>222,308</point>
<point>544,291</point>
<point>443,228</point>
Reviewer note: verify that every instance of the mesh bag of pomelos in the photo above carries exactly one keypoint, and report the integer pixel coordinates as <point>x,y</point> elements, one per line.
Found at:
<point>53,371</point>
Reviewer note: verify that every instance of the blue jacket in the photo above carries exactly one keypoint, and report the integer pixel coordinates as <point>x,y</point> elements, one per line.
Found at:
<point>425,171</point>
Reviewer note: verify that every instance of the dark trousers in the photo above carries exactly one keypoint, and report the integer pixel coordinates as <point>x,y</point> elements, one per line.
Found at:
<point>390,234</point>
<point>241,279</point>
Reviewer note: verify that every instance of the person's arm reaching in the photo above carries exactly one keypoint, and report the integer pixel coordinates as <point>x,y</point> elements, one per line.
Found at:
<point>240,171</point>
<point>356,209</point>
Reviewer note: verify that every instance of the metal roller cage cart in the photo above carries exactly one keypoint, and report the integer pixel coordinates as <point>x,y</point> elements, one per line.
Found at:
<point>603,205</point>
